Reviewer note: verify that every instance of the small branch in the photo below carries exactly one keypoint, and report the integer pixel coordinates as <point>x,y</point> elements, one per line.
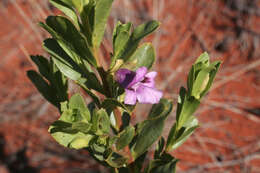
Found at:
<point>236,74</point>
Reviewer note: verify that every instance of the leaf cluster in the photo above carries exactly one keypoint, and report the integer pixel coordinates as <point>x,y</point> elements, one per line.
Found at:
<point>103,126</point>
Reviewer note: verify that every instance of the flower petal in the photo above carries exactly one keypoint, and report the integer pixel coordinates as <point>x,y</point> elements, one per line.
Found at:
<point>124,77</point>
<point>149,79</point>
<point>140,74</point>
<point>151,75</point>
<point>130,97</point>
<point>148,95</point>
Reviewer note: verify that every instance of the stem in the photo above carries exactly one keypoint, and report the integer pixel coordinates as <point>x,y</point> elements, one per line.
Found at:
<point>103,76</point>
<point>102,73</point>
<point>88,91</point>
<point>117,115</point>
<point>116,170</point>
<point>96,55</point>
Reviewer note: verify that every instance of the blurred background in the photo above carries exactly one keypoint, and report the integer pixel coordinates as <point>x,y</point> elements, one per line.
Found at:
<point>228,140</point>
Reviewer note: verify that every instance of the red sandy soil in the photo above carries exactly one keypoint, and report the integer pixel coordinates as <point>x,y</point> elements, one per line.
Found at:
<point>229,137</point>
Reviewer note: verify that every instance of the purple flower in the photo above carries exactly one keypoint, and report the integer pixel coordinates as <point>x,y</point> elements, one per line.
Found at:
<point>139,86</point>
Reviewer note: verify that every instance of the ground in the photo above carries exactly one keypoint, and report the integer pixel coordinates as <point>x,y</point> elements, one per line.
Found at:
<point>228,137</point>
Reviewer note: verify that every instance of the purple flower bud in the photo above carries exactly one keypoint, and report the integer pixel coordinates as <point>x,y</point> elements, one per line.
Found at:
<point>139,85</point>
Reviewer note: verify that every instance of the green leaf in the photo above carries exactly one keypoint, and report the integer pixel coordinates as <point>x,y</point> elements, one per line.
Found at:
<point>126,118</point>
<point>57,84</point>
<point>136,165</point>
<point>65,64</point>
<point>212,76</point>
<point>185,108</point>
<point>169,167</point>
<point>144,29</point>
<point>68,6</point>
<point>87,19</point>
<point>69,38</point>
<point>86,114</point>
<point>65,139</point>
<point>122,27</point>
<point>99,151</point>
<point>177,137</point>
<point>111,104</point>
<point>116,160</point>
<point>63,132</point>
<point>101,122</point>
<point>120,42</point>
<point>67,9</point>
<point>203,58</point>
<point>79,4</point>
<point>81,127</point>
<point>162,109</point>
<point>112,140</point>
<point>93,82</point>
<point>191,79</point>
<point>89,92</point>
<point>121,35</point>
<point>43,87</point>
<point>119,28</point>
<point>73,124</point>
<point>165,164</point>
<point>143,56</point>
<point>43,66</point>
<point>64,106</point>
<point>159,148</point>
<point>102,10</point>
<point>71,116</point>
<point>98,148</point>
<point>151,129</point>
<point>125,137</point>
<point>201,62</point>
<point>201,76</point>
<point>139,33</point>
<point>77,102</point>
<point>201,82</point>
<point>70,127</point>
<point>80,142</point>
<point>62,126</point>
<point>71,68</point>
